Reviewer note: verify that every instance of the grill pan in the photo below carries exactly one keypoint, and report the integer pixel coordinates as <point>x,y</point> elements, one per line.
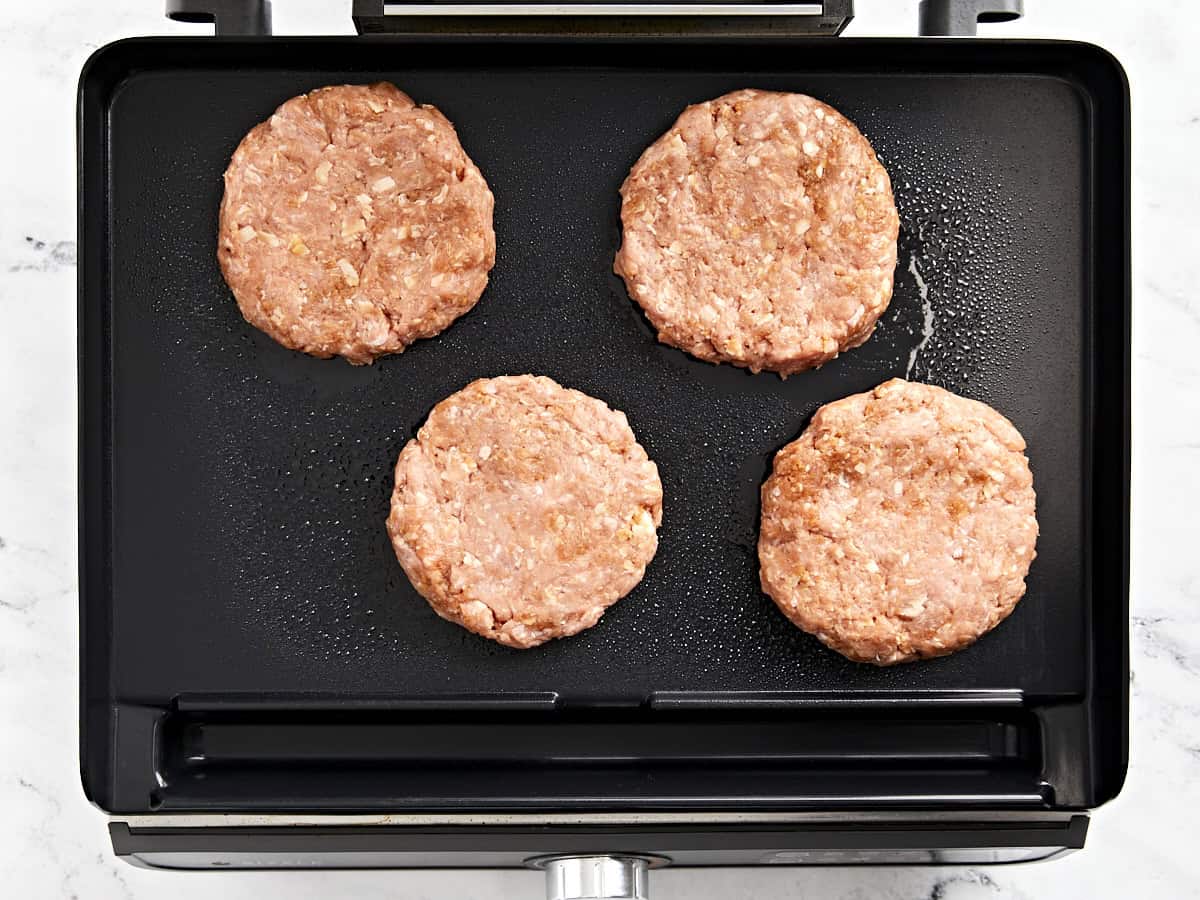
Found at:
<point>249,643</point>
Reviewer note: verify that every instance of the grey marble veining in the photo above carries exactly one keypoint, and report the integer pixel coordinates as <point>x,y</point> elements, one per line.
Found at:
<point>54,845</point>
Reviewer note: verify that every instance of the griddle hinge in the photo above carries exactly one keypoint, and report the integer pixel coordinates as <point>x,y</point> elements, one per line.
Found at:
<point>229,17</point>
<point>961,18</point>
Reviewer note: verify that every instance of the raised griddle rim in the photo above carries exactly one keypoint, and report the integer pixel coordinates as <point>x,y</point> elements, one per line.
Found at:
<point>1097,75</point>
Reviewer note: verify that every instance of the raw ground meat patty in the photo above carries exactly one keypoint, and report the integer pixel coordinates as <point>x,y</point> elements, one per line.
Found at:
<point>900,525</point>
<point>354,223</point>
<point>760,230</point>
<point>523,510</point>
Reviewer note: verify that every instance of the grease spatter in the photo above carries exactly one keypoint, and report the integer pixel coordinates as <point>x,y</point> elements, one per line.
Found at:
<point>927,322</point>
<point>47,256</point>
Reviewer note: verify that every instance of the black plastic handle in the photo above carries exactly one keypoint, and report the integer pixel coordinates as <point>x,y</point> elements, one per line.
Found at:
<point>961,18</point>
<point>229,17</point>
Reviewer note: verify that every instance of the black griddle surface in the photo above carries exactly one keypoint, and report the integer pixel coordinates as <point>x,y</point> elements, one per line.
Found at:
<point>250,483</point>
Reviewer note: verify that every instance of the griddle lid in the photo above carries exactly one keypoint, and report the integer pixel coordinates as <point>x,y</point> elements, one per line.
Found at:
<point>787,18</point>
<point>778,18</point>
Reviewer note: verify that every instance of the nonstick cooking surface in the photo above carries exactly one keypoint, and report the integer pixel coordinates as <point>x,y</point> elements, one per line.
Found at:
<point>251,483</point>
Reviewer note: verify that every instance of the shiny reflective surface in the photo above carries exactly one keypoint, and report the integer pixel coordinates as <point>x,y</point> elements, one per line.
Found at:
<point>597,878</point>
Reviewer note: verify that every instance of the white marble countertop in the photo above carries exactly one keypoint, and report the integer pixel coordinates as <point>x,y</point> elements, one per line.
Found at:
<point>54,845</point>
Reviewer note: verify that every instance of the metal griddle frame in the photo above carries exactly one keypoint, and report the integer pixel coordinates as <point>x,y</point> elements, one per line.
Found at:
<point>607,853</point>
